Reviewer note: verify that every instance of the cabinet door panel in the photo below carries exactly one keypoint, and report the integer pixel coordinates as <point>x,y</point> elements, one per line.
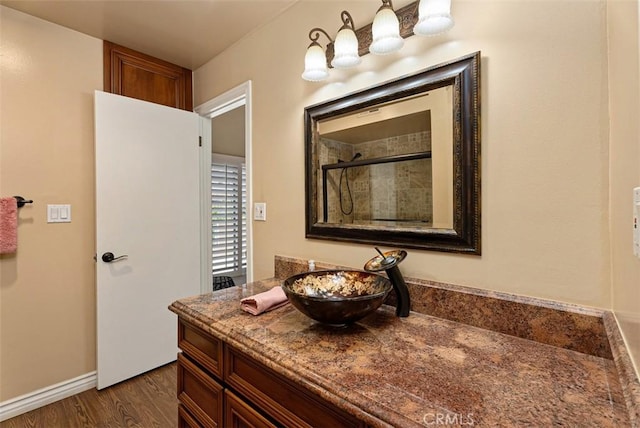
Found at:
<point>134,74</point>
<point>199,393</point>
<point>288,403</point>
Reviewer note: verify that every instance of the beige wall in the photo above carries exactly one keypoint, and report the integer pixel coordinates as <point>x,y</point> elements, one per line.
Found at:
<point>227,133</point>
<point>47,297</point>
<point>624,87</point>
<point>544,139</point>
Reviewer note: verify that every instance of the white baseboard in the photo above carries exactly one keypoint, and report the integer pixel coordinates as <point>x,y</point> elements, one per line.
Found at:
<point>50,394</point>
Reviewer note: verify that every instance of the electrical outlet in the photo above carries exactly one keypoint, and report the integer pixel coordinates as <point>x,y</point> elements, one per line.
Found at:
<point>260,211</point>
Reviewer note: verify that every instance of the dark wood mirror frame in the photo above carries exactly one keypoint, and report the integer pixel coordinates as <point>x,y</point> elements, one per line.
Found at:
<point>463,75</point>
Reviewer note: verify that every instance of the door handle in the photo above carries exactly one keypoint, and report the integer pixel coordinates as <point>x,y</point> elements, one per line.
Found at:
<point>109,257</point>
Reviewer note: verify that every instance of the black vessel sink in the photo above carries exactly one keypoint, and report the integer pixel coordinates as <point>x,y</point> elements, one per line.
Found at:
<point>336,297</point>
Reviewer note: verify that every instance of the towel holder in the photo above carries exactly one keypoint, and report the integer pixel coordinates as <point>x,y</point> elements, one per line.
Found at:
<point>22,201</point>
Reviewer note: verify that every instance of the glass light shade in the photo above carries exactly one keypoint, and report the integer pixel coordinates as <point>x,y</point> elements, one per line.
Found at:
<point>345,49</point>
<point>434,17</point>
<point>386,33</point>
<point>315,64</point>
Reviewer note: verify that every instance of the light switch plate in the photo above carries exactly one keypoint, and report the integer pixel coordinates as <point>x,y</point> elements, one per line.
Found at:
<point>59,213</point>
<point>260,211</point>
<point>636,222</point>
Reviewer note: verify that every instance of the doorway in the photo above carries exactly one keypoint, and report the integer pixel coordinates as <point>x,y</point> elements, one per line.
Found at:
<point>231,255</point>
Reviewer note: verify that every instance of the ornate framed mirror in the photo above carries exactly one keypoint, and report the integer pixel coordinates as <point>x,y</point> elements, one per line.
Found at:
<point>398,164</point>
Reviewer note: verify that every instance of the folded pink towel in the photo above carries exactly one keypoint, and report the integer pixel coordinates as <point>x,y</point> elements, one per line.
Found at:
<point>8,225</point>
<point>263,302</point>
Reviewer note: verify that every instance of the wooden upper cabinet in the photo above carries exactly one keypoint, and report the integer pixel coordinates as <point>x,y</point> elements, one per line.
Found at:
<point>136,75</point>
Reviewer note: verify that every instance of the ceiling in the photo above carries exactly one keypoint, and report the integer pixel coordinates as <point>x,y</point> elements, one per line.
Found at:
<point>401,125</point>
<point>185,32</point>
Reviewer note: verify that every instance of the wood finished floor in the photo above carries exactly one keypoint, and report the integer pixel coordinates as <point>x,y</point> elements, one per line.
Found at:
<point>148,400</point>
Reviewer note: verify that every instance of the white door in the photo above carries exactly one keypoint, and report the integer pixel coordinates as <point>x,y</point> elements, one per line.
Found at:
<point>147,209</point>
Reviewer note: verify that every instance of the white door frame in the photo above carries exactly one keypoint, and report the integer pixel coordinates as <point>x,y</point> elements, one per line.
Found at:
<point>233,98</point>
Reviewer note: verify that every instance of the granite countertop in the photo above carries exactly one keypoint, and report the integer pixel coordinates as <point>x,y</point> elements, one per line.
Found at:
<point>420,370</point>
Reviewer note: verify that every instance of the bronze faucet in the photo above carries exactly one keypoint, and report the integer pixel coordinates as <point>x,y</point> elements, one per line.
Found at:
<point>388,262</point>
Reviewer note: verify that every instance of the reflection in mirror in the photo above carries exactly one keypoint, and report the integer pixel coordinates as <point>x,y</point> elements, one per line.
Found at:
<point>399,163</point>
<point>389,166</point>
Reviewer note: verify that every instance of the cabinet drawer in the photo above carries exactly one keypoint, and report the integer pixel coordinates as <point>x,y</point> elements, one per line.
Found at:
<point>185,420</point>
<point>201,346</point>
<point>288,403</point>
<point>238,414</point>
<point>199,393</point>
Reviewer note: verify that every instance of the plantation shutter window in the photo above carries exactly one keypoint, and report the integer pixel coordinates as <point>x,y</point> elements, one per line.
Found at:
<point>228,215</point>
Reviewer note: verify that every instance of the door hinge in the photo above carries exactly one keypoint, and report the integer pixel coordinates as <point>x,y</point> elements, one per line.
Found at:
<point>200,141</point>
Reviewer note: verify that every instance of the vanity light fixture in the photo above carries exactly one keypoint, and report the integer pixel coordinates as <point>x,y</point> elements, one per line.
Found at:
<point>345,53</point>
<point>385,31</point>
<point>386,34</point>
<point>315,61</point>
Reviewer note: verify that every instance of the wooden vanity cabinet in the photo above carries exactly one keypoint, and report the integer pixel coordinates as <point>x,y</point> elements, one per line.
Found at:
<point>219,386</point>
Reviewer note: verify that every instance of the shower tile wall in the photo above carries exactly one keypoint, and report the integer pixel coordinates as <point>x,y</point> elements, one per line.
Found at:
<point>330,151</point>
<point>380,192</point>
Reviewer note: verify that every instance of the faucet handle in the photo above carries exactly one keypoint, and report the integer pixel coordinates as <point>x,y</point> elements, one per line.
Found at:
<point>385,260</point>
<point>388,262</point>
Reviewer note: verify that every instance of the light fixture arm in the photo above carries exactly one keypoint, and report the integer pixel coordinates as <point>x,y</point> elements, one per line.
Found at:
<point>347,21</point>
<point>387,3</point>
<point>314,37</point>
